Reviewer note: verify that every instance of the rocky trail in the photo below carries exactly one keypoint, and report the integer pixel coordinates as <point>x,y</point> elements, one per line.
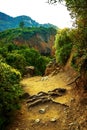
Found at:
<point>51,104</point>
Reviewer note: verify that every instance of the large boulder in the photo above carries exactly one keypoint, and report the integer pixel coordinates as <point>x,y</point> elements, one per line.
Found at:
<point>29,71</point>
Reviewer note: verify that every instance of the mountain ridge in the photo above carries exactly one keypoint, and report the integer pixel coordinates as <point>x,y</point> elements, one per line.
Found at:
<point>9,22</point>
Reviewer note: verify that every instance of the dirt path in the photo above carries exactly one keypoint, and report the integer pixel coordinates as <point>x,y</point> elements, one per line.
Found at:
<point>37,84</point>
<point>50,116</point>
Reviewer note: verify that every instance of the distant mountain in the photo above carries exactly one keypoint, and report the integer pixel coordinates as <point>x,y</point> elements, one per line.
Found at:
<point>8,22</point>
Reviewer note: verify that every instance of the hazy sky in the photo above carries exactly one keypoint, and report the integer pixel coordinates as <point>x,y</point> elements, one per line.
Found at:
<point>38,10</point>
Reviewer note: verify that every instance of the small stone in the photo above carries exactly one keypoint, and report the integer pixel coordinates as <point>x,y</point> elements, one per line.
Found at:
<point>71,124</point>
<point>37,120</point>
<point>53,120</point>
<point>42,111</point>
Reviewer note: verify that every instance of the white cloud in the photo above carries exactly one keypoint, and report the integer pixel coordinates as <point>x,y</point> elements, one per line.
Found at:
<point>38,10</point>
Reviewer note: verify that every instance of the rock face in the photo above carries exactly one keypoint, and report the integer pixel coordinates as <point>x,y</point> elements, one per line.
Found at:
<point>53,68</point>
<point>42,42</point>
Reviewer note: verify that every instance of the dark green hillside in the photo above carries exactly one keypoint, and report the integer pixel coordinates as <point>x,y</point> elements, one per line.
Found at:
<point>40,38</point>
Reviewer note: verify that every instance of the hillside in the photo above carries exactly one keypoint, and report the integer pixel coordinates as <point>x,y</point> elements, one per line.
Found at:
<point>8,22</point>
<point>39,38</point>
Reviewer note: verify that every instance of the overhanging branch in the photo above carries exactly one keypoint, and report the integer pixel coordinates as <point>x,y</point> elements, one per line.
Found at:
<point>69,6</point>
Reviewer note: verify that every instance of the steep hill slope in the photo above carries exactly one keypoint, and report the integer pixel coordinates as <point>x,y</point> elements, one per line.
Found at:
<point>39,38</point>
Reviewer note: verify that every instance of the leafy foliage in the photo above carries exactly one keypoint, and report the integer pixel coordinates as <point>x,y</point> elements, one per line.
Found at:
<point>21,56</point>
<point>17,61</point>
<point>78,10</point>
<point>25,33</point>
<point>10,91</point>
<point>34,58</point>
<point>63,45</point>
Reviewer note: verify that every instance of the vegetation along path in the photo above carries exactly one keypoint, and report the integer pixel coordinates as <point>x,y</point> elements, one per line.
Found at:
<point>50,105</point>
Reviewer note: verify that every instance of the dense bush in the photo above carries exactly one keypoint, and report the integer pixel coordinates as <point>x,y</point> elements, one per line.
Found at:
<point>21,56</point>
<point>1,58</point>
<point>41,64</point>
<point>63,45</point>
<point>10,91</point>
<point>3,51</point>
<point>33,58</point>
<point>17,61</point>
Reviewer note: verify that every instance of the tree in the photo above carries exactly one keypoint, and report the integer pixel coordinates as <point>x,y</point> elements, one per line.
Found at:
<point>63,45</point>
<point>21,24</point>
<point>78,10</point>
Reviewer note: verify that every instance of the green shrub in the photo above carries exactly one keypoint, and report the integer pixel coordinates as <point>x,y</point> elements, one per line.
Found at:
<point>1,58</point>
<point>63,45</point>
<point>63,54</point>
<point>10,90</point>
<point>17,61</point>
<point>33,58</point>
<point>3,51</point>
<point>41,64</point>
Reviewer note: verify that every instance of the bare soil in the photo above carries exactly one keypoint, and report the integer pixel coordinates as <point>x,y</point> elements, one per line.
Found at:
<point>68,113</point>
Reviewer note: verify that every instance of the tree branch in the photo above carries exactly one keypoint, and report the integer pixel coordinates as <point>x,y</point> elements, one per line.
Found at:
<point>76,6</point>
